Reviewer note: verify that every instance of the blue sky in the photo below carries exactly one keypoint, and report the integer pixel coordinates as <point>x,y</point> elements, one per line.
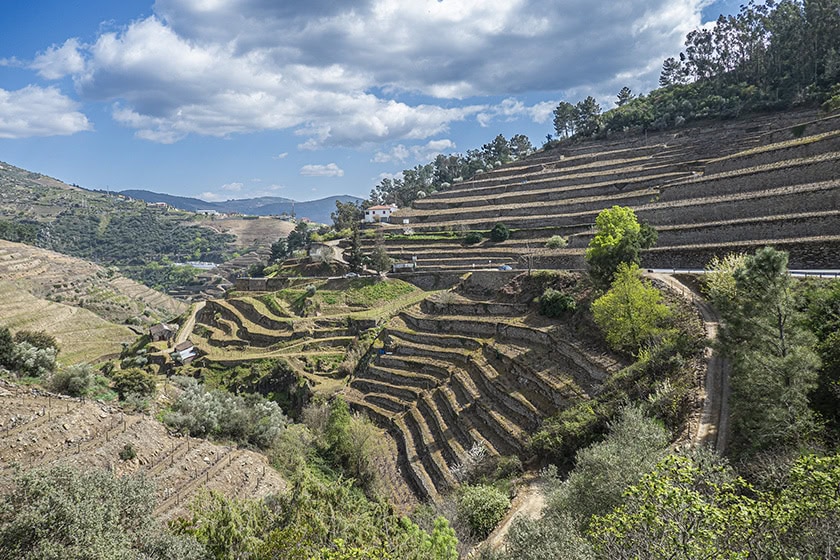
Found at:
<point>238,98</point>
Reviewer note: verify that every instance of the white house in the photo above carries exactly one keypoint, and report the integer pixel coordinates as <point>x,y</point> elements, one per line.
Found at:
<point>380,213</point>
<point>184,352</point>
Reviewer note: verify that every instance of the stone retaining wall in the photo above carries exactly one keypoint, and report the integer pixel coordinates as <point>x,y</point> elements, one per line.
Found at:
<point>806,255</point>
<point>781,228</point>
<point>806,149</point>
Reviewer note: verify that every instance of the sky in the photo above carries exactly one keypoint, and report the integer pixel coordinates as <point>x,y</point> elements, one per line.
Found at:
<point>224,99</point>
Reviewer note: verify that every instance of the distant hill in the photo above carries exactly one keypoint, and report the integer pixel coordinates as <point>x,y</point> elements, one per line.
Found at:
<point>315,210</point>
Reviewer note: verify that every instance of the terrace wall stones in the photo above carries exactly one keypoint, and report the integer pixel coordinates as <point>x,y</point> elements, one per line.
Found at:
<point>808,254</point>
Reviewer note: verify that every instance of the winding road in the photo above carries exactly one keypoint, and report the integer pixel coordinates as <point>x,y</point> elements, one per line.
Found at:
<point>713,425</point>
<point>186,329</point>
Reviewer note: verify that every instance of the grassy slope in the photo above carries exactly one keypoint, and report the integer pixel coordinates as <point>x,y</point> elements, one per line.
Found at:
<point>82,335</point>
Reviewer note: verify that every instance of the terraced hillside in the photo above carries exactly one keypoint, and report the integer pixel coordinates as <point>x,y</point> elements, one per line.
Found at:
<point>707,190</point>
<point>41,429</point>
<point>77,282</point>
<point>471,366</point>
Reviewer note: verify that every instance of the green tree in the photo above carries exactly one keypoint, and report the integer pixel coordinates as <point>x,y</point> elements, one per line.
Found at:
<point>618,239</point>
<point>630,313</point>
<point>824,323</point>
<point>588,118</point>
<point>624,97</point>
<point>279,250</point>
<point>565,119</point>
<point>774,367</point>
<point>499,233</point>
<point>481,507</point>
<point>379,259</point>
<point>75,380</point>
<point>38,339</point>
<point>134,381</point>
<point>354,256</point>
<point>346,215</point>
<point>7,347</point>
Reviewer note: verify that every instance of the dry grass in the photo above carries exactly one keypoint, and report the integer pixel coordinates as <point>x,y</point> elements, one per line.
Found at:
<point>81,335</point>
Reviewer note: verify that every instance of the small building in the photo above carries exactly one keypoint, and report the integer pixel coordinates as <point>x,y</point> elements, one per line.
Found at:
<point>381,213</point>
<point>162,332</point>
<point>208,212</point>
<point>158,205</point>
<point>184,352</point>
<point>404,267</point>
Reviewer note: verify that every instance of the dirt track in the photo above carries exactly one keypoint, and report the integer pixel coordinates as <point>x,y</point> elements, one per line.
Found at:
<point>712,427</point>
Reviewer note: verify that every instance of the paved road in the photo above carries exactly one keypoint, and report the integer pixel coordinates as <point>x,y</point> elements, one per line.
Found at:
<point>186,329</point>
<point>714,419</point>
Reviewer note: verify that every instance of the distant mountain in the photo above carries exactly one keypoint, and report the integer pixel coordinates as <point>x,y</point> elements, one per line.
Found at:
<point>316,210</point>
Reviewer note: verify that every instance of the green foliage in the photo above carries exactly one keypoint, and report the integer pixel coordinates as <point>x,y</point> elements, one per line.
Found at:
<point>481,507</point>
<point>347,215</point>
<point>618,239</point>
<point>38,339</point>
<point>134,381</point>
<point>127,453</point>
<point>379,259</point>
<point>19,232</point>
<point>824,322</point>
<point>556,242</point>
<point>499,233</point>
<point>630,313</point>
<point>75,380</point>
<point>33,361</point>
<point>603,471</point>
<point>719,280</point>
<point>587,117</point>
<point>472,238</point>
<point>774,367</point>
<point>7,347</point>
<point>61,513</point>
<point>694,507</point>
<point>314,519</point>
<point>250,419</point>
<point>554,303</point>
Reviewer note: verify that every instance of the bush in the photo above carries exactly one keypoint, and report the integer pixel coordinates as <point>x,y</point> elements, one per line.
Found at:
<point>134,381</point>
<point>74,380</point>
<point>127,453</point>
<point>556,242</point>
<point>481,507</point>
<point>31,360</point>
<point>250,419</point>
<point>500,232</point>
<point>554,303</point>
<point>472,238</point>
<point>38,339</point>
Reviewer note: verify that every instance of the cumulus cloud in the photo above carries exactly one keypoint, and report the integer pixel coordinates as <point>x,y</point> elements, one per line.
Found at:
<point>36,111</point>
<point>57,62</point>
<point>328,170</point>
<point>338,73</point>
<point>283,155</point>
<point>401,153</point>
<point>235,187</point>
<point>211,197</point>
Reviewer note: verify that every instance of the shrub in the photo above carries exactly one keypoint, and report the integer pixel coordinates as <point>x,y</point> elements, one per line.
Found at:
<point>500,232</point>
<point>31,360</point>
<point>250,419</point>
<point>481,507</point>
<point>38,339</point>
<point>472,238</point>
<point>127,453</point>
<point>556,242</point>
<point>554,303</point>
<point>134,381</point>
<point>472,463</point>
<point>75,380</point>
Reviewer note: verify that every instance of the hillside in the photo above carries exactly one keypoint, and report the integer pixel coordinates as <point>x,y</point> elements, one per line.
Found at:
<point>707,189</point>
<point>316,210</point>
<point>85,306</point>
<point>90,435</point>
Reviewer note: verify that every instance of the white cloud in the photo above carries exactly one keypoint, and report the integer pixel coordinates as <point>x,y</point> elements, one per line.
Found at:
<point>235,187</point>
<point>211,197</point>
<point>284,155</point>
<point>401,153</point>
<point>36,111</point>
<point>328,170</point>
<point>333,72</point>
<point>57,62</point>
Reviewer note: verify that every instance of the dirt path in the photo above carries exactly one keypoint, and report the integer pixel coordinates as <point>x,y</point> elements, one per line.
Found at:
<point>187,328</point>
<point>713,424</point>
<point>529,502</point>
